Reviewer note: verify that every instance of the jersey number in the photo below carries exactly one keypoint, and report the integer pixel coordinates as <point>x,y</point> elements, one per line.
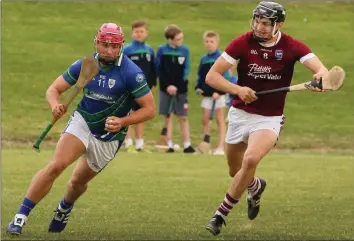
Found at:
<point>101,81</point>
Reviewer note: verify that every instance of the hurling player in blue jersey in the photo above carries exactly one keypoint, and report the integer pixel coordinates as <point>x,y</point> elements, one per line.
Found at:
<point>96,128</point>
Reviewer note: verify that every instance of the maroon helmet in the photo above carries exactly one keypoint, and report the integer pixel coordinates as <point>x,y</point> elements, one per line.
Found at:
<point>110,33</point>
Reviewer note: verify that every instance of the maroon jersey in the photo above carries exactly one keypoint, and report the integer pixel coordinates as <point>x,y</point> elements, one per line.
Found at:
<point>264,68</point>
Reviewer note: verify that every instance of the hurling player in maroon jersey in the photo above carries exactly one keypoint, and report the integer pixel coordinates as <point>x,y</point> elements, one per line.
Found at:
<point>265,59</point>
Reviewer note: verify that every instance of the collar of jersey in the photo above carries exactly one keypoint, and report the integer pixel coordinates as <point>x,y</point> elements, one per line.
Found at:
<point>214,53</point>
<point>134,42</point>
<point>170,47</point>
<point>273,44</point>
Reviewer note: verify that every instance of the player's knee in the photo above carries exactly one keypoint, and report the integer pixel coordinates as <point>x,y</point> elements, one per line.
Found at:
<point>250,161</point>
<point>55,169</point>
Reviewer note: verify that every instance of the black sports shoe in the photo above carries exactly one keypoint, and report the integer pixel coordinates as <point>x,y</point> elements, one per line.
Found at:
<point>189,149</point>
<point>215,224</point>
<point>255,201</point>
<point>170,150</point>
<point>59,220</point>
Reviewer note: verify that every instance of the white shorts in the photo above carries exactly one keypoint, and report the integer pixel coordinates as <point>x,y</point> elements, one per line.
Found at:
<point>207,102</point>
<point>98,153</point>
<point>242,124</point>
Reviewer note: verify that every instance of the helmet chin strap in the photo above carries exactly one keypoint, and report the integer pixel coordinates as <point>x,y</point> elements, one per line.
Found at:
<point>262,40</point>
<point>108,62</point>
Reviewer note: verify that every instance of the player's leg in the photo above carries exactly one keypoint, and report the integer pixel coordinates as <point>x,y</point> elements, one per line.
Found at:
<point>239,127</point>
<point>77,186</point>
<point>259,144</point>
<point>182,113</point>
<point>206,105</point>
<point>166,132</point>
<point>139,141</point>
<point>261,134</point>
<point>234,155</point>
<point>129,137</point>
<point>219,116</point>
<point>68,150</point>
<point>169,126</point>
<point>205,122</point>
<point>97,157</point>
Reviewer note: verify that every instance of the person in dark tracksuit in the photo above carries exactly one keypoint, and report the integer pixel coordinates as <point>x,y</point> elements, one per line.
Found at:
<point>173,67</point>
<point>142,55</point>
<point>210,95</point>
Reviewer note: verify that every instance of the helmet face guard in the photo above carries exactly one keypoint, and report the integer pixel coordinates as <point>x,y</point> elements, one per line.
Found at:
<point>110,34</point>
<point>269,10</point>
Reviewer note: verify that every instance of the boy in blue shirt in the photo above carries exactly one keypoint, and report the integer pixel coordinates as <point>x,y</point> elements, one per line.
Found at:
<point>211,42</point>
<point>142,55</point>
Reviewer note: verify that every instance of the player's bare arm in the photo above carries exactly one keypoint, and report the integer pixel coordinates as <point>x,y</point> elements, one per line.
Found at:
<point>318,69</point>
<point>146,112</point>
<point>53,96</point>
<point>316,66</point>
<point>216,79</point>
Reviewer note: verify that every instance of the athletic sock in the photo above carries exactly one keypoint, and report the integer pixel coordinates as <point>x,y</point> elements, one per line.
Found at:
<point>170,143</point>
<point>128,142</point>
<point>26,207</point>
<point>254,186</point>
<point>139,143</point>
<point>226,206</point>
<point>65,205</point>
<point>186,144</point>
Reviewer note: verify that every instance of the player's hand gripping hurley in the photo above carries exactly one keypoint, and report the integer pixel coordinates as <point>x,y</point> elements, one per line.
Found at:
<point>332,80</point>
<point>89,69</point>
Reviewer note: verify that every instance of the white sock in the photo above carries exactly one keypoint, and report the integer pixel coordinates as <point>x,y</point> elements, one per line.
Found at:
<point>128,142</point>
<point>186,144</point>
<point>254,186</point>
<point>139,143</point>
<point>170,143</point>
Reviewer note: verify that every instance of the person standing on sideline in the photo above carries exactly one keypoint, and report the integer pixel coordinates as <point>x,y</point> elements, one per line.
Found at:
<point>142,55</point>
<point>173,67</point>
<point>210,95</point>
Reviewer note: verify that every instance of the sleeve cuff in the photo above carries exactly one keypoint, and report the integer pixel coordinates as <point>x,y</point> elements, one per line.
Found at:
<point>306,57</point>
<point>228,58</point>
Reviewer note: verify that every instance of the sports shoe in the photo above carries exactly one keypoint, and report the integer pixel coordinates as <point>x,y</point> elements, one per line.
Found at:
<point>131,149</point>
<point>189,149</point>
<point>215,224</point>
<point>15,226</point>
<point>218,152</point>
<point>59,220</point>
<point>170,150</point>
<point>143,150</point>
<point>255,201</point>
